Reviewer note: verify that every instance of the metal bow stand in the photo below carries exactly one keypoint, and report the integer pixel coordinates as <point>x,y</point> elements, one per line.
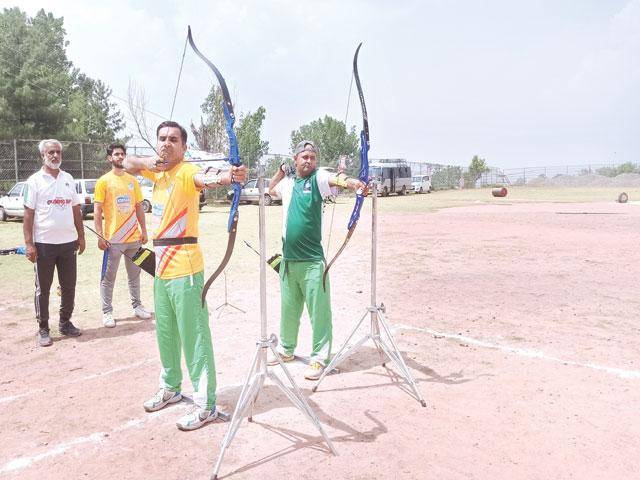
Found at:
<point>383,343</point>
<point>220,308</point>
<point>259,370</point>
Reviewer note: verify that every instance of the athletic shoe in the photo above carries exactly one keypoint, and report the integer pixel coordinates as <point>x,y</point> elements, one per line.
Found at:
<point>107,320</point>
<point>161,399</point>
<point>283,356</point>
<point>69,329</point>
<point>141,312</point>
<point>314,372</point>
<point>43,338</point>
<point>196,418</point>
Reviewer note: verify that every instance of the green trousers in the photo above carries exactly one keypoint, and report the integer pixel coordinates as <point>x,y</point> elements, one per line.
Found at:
<point>182,324</point>
<point>300,284</point>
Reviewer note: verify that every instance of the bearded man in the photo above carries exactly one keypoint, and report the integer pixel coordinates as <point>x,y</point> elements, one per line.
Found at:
<point>119,198</point>
<point>53,235</point>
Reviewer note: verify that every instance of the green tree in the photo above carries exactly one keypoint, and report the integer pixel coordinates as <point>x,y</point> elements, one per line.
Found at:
<point>34,85</point>
<point>331,138</point>
<point>617,170</point>
<point>211,134</point>
<point>251,146</point>
<point>274,163</point>
<point>40,92</point>
<point>94,118</point>
<point>477,167</point>
<point>446,177</point>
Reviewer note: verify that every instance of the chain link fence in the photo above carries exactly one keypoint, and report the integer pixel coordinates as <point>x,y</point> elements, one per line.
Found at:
<point>448,176</point>
<point>527,175</point>
<point>20,158</point>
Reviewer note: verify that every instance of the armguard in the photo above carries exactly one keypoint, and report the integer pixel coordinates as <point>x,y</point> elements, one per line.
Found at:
<point>341,180</point>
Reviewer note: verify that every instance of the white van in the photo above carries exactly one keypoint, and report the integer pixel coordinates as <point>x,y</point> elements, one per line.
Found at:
<point>421,183</point>
<point>391,175</point>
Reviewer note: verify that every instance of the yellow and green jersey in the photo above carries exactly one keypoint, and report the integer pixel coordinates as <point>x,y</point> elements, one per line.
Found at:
<point>119,195</point>
<point>175,214</point>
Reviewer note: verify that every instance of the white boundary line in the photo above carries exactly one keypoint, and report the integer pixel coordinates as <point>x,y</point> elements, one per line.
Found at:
<point>619,372</point>
<point>97,437</point>
<point>20,463</point>
<point>11,398</point>
<point>23,462</point>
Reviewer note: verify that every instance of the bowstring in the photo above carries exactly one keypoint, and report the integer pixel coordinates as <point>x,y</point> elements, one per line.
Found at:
<point>173,104</point>
<point>333,208</point>
<point>175,94</point>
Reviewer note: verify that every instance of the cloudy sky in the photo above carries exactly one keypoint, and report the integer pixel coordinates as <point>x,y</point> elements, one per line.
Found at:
<point>520,83</point>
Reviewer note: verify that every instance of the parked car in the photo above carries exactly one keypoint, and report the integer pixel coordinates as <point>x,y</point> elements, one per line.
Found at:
<point>250,193</point>
<point>85,188</point>
<point>146,186</point>
<point>421,183</point>
<point>12,204</point>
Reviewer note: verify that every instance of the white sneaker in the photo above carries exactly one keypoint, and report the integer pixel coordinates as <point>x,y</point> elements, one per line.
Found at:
<point>196,418</point>
<point>142,312</point>
<point>272,360</point>
<point>161,399</point>
<point>314,371</point>
<point>107,320</point>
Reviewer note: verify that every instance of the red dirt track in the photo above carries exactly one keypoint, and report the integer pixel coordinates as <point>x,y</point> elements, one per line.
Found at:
<point>519,322</point>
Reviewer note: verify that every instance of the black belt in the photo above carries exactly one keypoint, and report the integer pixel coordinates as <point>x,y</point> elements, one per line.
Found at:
<point>167,242</point>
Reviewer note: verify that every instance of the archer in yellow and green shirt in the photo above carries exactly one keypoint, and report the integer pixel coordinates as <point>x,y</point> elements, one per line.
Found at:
<point>182,322</point>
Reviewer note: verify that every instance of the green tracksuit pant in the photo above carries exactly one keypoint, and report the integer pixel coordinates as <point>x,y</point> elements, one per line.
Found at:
<point>182,324</point>
<point>300,284</point>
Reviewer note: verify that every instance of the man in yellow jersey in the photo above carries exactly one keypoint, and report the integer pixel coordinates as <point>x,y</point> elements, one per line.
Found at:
<point>119,198</point>
<point>182,323</point>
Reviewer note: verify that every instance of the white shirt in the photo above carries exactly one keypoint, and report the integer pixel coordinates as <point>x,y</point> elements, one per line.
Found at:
<point>53,200</point>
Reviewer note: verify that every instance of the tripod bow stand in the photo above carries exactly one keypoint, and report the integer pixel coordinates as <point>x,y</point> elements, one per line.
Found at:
<point>259,370</point>
<point>226,303</point>
<point>385,344</point>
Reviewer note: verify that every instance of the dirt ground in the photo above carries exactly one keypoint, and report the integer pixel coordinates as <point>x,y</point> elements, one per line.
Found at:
<point>518,321</point>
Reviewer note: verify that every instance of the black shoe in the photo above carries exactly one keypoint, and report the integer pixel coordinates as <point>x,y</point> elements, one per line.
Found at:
<point>43,339</point>
<point>68,329</point>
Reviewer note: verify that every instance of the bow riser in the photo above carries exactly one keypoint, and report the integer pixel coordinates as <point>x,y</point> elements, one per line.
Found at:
<point>233,213</point>
<point>234,159</point>
<point>363,176</point>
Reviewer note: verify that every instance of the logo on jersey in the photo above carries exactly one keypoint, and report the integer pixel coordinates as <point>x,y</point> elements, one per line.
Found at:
<point>123,203</point>
<point>59,202</point>
<point>157,210</point>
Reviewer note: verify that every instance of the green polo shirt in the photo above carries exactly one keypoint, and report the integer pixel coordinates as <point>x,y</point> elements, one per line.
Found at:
<point>302,222</point>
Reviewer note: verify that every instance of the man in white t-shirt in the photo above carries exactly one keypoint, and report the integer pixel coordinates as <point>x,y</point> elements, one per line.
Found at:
<point>53,234</point>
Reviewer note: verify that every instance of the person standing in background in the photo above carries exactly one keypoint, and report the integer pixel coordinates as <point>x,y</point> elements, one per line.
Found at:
<point>53,233</point>
<point>118,197</point>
